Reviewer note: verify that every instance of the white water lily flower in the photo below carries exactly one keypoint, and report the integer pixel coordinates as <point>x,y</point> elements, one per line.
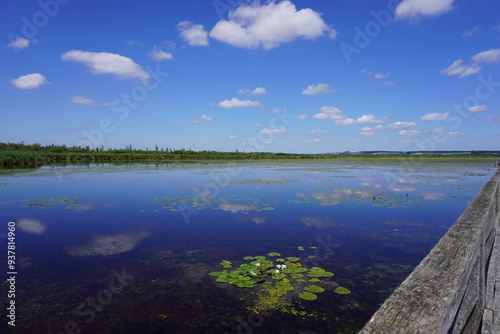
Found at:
<point>283,266</point>
<point>253,273</point>
<point>277,271</point>
<point>257,264</point>
<point>278,266</point>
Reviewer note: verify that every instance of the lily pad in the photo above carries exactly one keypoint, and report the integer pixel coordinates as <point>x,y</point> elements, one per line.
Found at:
<point>342,291</point>
<point>247,258</point>
<point>314,288</point>
<point>296,276</point>
<point>308,295</point>
<point>274,254</point>
<point>300,248</point>
<point>293,259</point>
<point>279,276</point>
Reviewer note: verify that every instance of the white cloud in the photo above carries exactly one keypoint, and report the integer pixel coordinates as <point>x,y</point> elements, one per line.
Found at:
<point>321,88</point>
<point>487,57</point>
<point>233,137</point>
<point>415,9</point>
<point>29,81</point>
<point>203,118</point>
<point>274,110</point>
<point>276,131</point>
<point>302,116</point>
<point>401,125</point>
<point>318,131</point>
<point>410,133</point>
<point>478,108</point>
<point>329,113</point>
<point>382,76</point>
<point>368,129</point>
<point>340,119</point>
<point>268,26</point>
<point>193,34</point>
<point>367,133</point>
<point>493,119</point>
<point>435,116</point>
<point>462,70</point>
<point>84,101</point>
<point>457,68</point>
<point>160,55</point>
<point>314,140</point>
<point>33,226</point>
<point>107,63</point>
<point>20,43</point>
<point>257,91</point>
<point>259,125</point>
<point>236,103</point>
<point>455,134</point>
<point>471,32</point>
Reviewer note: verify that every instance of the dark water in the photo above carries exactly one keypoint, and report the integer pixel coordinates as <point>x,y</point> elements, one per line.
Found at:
<point>127,248</point>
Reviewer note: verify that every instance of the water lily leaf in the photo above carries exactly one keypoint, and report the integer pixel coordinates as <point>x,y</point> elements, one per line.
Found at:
<point>296,276</point>
<point>247,258</point>
<point>314,288</point>
<point>243,278</point>
<point>308,295</point>
<point>314,280</point>
<point>279,276</point>
<point>222,279</point>
<point>240,285</point>
<point>260,257</point>
<point>300,270</point>
<point>215,273</point>
<point>300,248</point>
<point>293,259</point>
<point>280,260</point>
<point>342,291</point>
<point>327,274</point>
<point>274,254</point>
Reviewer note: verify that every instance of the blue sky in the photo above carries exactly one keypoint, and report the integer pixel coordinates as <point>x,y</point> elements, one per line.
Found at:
<point>283,76</point>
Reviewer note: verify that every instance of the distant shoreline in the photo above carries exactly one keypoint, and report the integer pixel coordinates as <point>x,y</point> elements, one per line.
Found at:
<point>30,159</point>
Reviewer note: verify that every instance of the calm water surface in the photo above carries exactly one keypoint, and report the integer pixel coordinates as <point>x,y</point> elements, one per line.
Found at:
<point>128,248</point>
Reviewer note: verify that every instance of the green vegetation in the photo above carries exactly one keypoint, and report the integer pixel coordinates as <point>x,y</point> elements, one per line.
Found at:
<point>274,280</point>
<point>23,155</point>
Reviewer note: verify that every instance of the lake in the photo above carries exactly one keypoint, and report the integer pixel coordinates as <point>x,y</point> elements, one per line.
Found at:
<point>222,247</point>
